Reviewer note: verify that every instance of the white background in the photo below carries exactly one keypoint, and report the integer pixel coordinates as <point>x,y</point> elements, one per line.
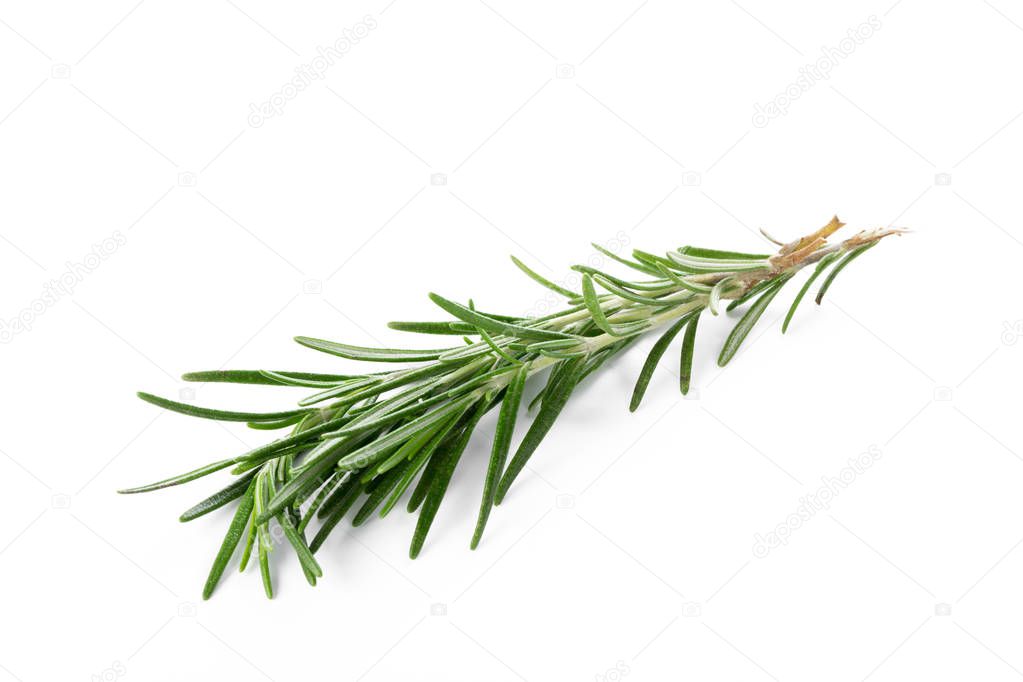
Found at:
<point>627,550</point>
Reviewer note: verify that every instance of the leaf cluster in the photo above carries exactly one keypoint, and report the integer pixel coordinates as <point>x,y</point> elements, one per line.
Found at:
<point>370,441</point>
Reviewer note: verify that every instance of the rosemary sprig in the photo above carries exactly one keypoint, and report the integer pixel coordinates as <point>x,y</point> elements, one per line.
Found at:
<point>369,437</point>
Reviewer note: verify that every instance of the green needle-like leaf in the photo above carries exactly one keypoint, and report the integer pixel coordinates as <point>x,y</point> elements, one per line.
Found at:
<point>494,325</point>
<point>279,424</point>
<point>219,498</point>
<point>245,376</point>
<point>320,462</point>
<point>651,260</point>
<point>263,542</point>
<point>645,269</point>
<point>249,542</point>
<point>287,380</point>
<point>417,463</point>
<point>350,352</point>
<point>264,568</point>
<point>439,485</point>
<point>178,480</point>
<point>499,451</point>
<point>554,400</point>
<point>849,258</point>
<point>384,418</point>
<point>408,474</point>
<point>372,452</point>
<point>684,281</point>
<point>440,444</point>
<point>596,311</point>
<point>501,352</point>
<point>295,440</point>
<point>409,450</point>
<point>336,481</point>
<point>339,493</point>
<point>653,285</point>
<point>439,328</point>
<point>335,509</point>
<point>219,415</point>
<point>242,516</point>
<point>305,556</point>
<point>688,346</point>
<point>543,281</point>
<point>721,255</point>
<point>821,267</point>
<point>750,293</point>
<point>696,264</point>
<point>622,292</point>
<point>747,322</point>
<point>654,357</point>
<point>384,486</point>
<point>715,296</point>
